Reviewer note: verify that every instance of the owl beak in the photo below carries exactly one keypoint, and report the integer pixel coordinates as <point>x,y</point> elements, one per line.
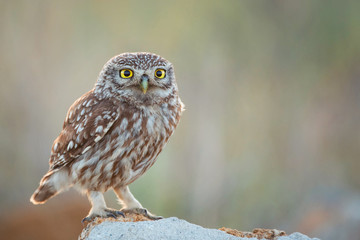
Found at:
<point>144,84</point>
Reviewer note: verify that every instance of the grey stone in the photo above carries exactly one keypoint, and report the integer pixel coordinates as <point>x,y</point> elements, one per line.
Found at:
<point>297,236</point>
<point>168,228</point>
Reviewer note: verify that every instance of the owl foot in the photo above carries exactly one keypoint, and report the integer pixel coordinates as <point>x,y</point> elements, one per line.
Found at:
<point>105,213</point>
<point>142,211</point>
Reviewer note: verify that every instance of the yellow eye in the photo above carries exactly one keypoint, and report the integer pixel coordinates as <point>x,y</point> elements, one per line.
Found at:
<point>160,73</point>
<point>126,73</point>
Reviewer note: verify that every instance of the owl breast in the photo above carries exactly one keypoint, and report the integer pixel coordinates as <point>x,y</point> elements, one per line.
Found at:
<point>129,149</point>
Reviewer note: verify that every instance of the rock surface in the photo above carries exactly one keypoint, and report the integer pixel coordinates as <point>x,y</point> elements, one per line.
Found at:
<point>173,228</point>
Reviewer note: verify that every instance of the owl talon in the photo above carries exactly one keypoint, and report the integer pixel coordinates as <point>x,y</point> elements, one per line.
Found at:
<point>120,213</point>
<point>108,213</point>
<point>144,212</point>
<point>114,213</point>
<point>86,219</point>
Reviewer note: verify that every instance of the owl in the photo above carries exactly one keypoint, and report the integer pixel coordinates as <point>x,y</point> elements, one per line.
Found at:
<point>114,133</point>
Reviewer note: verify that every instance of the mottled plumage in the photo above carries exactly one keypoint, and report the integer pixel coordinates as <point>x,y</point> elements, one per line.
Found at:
<point>114,132</point>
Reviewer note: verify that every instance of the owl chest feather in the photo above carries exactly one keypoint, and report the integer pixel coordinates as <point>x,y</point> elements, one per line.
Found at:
<point>140,142</point>
<point>129,149</point>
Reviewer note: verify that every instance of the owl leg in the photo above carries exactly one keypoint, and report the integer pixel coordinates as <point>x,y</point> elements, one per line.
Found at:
<point>99,208</point>
<point>131,205</point>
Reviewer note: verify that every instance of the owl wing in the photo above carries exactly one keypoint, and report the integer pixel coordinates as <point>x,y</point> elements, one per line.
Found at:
<point>86,123</point>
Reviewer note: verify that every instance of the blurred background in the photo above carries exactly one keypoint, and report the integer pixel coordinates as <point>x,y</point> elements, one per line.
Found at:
<point>271,134</point>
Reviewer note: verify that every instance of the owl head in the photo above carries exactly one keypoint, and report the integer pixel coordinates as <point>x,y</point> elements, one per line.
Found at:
<point>139,78</point>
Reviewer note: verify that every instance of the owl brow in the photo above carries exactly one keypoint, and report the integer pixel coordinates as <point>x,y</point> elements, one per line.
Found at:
<point>142,62</point>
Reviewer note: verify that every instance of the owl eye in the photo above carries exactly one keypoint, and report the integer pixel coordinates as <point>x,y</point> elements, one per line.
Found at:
<point>160,73</point>
<point>126,73</point>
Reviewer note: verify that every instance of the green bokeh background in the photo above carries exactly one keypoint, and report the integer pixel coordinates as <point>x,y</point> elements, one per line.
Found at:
<point>271,134</point>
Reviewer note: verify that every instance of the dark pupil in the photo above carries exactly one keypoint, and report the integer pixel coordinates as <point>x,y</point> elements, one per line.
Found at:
<point>158,73</point>
<point>126,73</point>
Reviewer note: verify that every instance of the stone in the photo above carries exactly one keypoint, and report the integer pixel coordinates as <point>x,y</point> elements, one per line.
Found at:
<point>168,228</point>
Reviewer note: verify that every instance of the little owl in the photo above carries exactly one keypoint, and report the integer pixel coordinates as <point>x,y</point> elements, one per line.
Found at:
<point>114,133</point>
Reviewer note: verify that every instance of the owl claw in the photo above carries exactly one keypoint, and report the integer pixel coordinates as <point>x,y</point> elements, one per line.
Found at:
<point>86,219</point>
<point>113,213</point>
<point>108,213</point>
<point>142,211</point>
<point>120,213</point>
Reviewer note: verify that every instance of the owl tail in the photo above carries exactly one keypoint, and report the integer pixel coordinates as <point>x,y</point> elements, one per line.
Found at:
<point>50,185</point>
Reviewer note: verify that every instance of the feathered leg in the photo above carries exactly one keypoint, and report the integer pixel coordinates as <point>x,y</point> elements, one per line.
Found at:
<point>99,208</point>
